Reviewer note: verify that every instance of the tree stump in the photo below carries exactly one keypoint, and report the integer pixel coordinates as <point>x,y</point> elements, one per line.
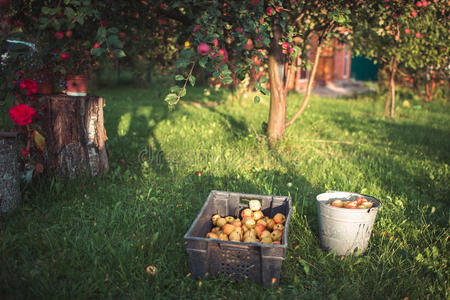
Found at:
<point>75,135</point>
<point>10,195</point>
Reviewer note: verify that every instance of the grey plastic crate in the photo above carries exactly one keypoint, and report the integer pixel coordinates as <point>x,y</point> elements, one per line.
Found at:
<point>255,261</point>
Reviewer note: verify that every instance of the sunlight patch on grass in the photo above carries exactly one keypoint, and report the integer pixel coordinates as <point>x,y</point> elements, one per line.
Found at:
<point>124,124</point>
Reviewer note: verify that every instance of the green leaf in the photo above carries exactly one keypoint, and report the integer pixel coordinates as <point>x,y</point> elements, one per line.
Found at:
<point>113,30</point>
<point>113,41</point>
<point>171,97</point>
<point>182,63</point>
<point>192,79</point>
<point>256,99</point>
<point>154,237</point>
<point>182,92</point>
<point>97,51</point>
<point>263,79</point>
<point>202,62</point>
<point>69,12</point>
<point>179,77</point>
<point>119,53</point>
<point>227,80</point>
<point>101,34</point>
<point>175,89</point>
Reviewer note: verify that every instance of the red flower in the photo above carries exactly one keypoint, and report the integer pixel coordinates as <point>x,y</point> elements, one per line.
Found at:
<point>30,85</point>
<point>25,152</point>
<point>22,114</point>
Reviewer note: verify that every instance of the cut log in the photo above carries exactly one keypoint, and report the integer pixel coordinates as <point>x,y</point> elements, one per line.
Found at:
<point>10,195</point>
<point>75,135</point>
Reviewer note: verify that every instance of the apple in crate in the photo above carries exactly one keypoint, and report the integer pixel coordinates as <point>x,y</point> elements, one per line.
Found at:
<point>228,228</point>
<point>221,221</point>
<point>215,218</point>
<point>279,218</point>
<point>270,224</point>
<point>229,219</point>
<point>258,215</point>
<point>254,205</point>
<point>247,213</point>
<point>212,235</point>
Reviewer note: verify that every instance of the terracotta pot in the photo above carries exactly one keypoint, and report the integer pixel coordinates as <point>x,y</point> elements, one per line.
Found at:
<point>44,80</point>
<point>77,85</point>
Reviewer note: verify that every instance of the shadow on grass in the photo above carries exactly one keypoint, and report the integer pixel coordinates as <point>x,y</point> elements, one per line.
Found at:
<point>403,160</point>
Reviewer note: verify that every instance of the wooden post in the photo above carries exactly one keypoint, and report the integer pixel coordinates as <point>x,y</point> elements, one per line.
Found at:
<point>75,135</point>
<point>10,195</point>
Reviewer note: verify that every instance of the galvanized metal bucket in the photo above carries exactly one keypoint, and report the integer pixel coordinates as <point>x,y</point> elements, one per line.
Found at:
<point>345,231</point>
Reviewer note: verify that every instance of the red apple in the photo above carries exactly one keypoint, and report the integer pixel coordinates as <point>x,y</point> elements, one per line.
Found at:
<point>259,228</point>
<point>407,30</point>
<point>212,235</point>
<point>249,45</point>
<point>228,228</point>
<point>203,48</point>
<point>247,213</point>
<point>351,204</point>
<point>96,45</point>
<point>419,3</point>
<point>59,35</point>
<point>278,227</point>
<point>269,11</point>
<point>258,215</point>
<point>279,218</point>
<point>418,35</point>
<point>68,33</point>
<point>338,203</point>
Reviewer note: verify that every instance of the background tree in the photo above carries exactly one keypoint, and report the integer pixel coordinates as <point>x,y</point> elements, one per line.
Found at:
<point>407,35</point>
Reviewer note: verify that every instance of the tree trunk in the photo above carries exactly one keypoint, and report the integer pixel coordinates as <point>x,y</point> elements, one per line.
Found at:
<point>10,195</point>
<point>75,135</point>
<point>392,84</point>
<point>391,89</point>
<point>308,89</point>
<point>277,114</point>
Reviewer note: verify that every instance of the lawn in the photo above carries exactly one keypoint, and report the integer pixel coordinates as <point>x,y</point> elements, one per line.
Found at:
<point>94,237</point>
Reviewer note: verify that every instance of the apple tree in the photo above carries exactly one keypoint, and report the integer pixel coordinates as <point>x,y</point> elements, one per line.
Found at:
<point>410,35</point>
<point>226,36</point>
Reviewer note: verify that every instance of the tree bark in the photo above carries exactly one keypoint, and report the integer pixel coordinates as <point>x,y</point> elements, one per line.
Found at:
<point>10,195</point>
<point>75,135</point>
<point>391,89</point>
<point>392,83</point>
<point>308,88</point>
<point>277,113</point>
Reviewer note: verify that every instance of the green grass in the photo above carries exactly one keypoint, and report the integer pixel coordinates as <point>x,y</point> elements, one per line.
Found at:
<point>94,237</point>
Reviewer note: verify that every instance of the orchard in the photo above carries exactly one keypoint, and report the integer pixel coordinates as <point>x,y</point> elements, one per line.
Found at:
<point>190,149</point>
